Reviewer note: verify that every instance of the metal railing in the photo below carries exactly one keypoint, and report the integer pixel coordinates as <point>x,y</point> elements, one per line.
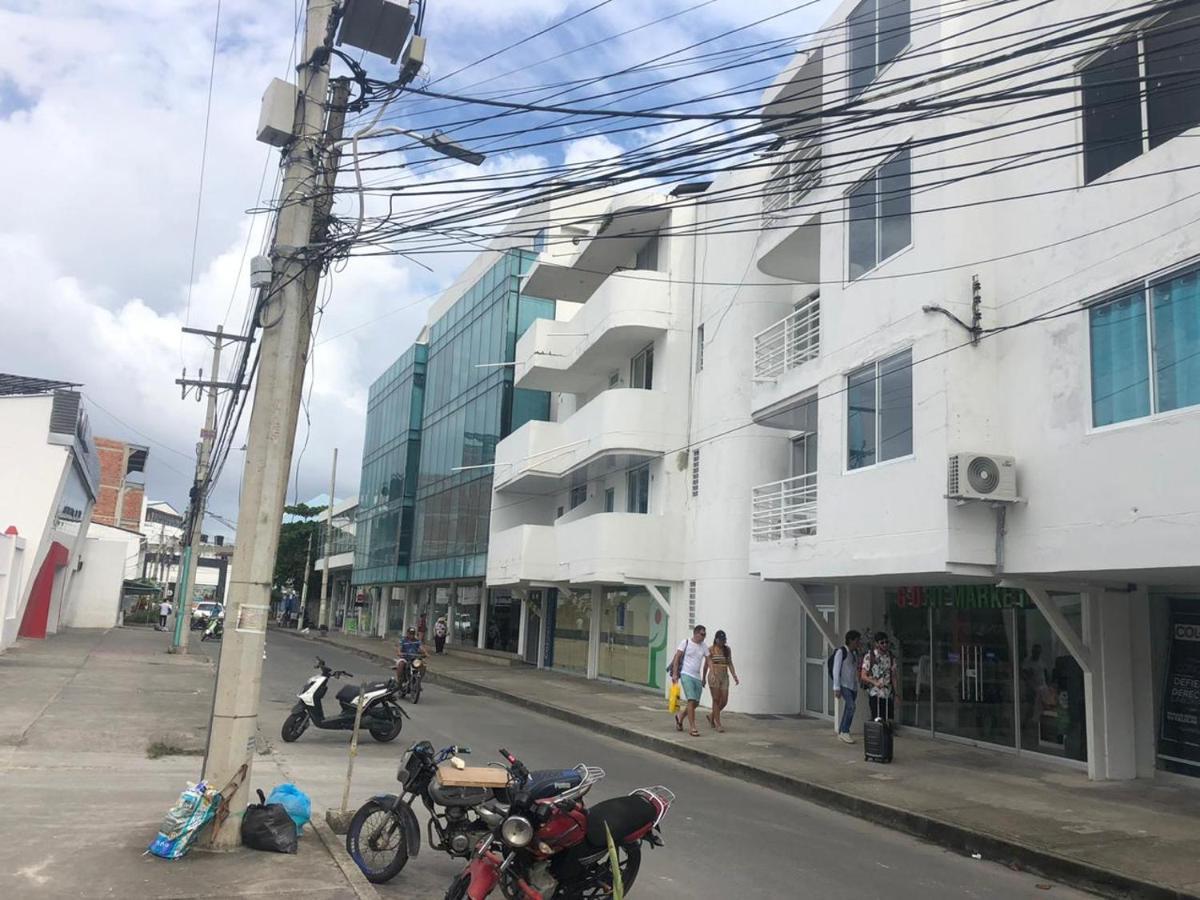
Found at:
<point>796,173</point>
<point>784,510</point>
<point>792,340</point>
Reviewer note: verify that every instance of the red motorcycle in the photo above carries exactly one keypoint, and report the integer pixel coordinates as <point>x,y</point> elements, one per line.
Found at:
<point>555,848</point>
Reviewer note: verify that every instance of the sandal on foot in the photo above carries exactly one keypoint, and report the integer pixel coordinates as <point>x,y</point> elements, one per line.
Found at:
<point>710,721</point>
<point>694,733</point>
<point>678,724</point>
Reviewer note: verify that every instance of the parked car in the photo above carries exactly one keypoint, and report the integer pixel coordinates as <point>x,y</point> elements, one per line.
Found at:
<point>204,611</point>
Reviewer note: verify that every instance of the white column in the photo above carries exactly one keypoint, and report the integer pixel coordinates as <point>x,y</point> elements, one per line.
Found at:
<point>385,597</point>
<point>543,630</point>
<point>1141,646</point>
<point>593,667</point>
<point>1109,689</point>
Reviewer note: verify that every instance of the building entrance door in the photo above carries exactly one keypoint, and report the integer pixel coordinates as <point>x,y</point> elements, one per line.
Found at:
<point>973,675</point>
<point>818,690</point>
<point>533,627</point>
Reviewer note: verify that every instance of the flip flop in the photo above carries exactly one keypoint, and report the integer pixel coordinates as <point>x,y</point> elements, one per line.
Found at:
<point>710,721</point>
<point>694,733</point>
<point>720,729</point>
<point>678,724</point>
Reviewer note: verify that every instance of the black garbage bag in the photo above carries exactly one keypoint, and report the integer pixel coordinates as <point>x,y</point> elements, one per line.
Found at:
<point>267,826</point>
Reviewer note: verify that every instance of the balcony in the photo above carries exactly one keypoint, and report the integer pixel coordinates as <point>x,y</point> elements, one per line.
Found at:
<point>790,342</point>
<point>628,223</point>
<point>791,222</point>
<point>622,421</point>
<point>621,318</point>
<point>784,510</point>
<point>609,548</point>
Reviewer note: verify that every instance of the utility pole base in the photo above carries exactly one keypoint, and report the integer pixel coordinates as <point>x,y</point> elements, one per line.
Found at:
<point>232,743</point>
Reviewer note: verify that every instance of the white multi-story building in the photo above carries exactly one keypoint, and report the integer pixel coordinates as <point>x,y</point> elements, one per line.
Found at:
<point>992,378</point>
<point>931,368</point>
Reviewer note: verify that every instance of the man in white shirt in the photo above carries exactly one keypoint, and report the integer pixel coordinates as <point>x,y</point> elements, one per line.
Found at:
<point>688,668</point>
<point>164,610</point>
<point>845,682</point>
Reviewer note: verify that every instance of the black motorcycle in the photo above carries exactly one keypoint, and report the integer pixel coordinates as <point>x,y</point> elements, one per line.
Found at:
<point>410,681</point>
<point>381,714</point>
<point>384,833</point>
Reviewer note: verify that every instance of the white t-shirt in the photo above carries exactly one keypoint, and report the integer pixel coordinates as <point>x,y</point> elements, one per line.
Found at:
<point>693,657</point>
<point>164,609</point>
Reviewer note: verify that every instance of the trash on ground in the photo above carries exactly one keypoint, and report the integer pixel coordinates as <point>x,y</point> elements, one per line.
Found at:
<point>268,826</point>
<point>976,856</point>
<point>295,801</point>
<point>193,810</point>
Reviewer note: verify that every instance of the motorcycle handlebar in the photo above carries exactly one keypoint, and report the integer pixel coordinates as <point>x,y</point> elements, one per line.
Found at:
<point>516,765</point>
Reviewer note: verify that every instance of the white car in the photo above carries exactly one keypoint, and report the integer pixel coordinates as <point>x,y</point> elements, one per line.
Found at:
<point>206,609</point>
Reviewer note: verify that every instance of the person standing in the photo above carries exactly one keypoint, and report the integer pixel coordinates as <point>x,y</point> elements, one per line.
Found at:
<point>164,610</point>
<point>687,668</point>
<point>845,682</point>
<point>880,676</point>
<point>439,635</point>
<point>717,669</point>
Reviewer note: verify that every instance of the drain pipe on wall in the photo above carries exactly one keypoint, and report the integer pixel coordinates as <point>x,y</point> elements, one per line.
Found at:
<point>1001,511</point>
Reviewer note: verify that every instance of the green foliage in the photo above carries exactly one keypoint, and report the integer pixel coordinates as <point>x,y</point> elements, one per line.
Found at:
<point>615,862</point>
<point>293,545</point>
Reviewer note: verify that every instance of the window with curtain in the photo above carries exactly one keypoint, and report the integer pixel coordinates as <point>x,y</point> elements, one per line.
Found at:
<point>1145,350</point>
<point>879,214</point>
<point>879,413</point>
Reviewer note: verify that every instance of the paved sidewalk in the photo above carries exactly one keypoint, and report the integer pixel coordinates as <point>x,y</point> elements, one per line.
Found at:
<point>1118,839</point>
<point>81,798</point>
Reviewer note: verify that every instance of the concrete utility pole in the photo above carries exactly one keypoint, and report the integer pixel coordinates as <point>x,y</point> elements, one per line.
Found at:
<point>286,314</point>
<point>307,572</point>
<point>179,642</point>
<point>328,543</point>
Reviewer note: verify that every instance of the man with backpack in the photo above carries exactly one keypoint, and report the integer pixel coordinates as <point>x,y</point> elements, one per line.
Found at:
<point>843,673</point>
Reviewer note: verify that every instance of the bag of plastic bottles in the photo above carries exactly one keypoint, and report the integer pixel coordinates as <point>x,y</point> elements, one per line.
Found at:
<point>193,810</point>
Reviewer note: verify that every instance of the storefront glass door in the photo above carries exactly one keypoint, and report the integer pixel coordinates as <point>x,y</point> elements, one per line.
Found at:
<point>632,635</point>
<point>818,690</point>
<point>533,627</point>
<point>973,675</point>
<point>572,629</point>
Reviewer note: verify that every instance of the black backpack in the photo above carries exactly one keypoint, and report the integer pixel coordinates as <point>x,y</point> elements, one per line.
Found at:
<point>829,662</point>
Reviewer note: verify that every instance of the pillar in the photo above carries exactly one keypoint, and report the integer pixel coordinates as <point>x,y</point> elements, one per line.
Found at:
<point>522,622</point>
<point>481,637</point>
<point>543,629</point>
<point>1109,689</point>
<point>593,666</point>
<point>385,597</point>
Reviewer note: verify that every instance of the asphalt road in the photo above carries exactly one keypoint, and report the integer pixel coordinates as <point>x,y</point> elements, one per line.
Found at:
<point>724,837</point>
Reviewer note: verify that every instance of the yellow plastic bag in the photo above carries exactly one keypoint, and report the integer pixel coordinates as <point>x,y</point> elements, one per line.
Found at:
<point>673,698</point>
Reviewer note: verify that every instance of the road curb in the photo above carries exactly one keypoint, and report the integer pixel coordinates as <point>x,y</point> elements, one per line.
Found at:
<point>949,835</point>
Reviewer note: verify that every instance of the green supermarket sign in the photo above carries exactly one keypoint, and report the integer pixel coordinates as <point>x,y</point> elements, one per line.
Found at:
<point>963,596</point>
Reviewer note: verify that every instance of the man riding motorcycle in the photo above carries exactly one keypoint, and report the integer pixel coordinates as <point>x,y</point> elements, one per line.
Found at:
<point>411,649</point>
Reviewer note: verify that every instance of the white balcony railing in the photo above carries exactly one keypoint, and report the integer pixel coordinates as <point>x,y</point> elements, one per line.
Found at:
<point>790,341</point>
<point>784,510</point>
<point>797,173</point>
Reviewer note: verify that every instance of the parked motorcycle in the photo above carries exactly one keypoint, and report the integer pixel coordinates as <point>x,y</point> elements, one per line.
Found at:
<point>384,832</point>
<point>554,848</point>
<point>381,714</point>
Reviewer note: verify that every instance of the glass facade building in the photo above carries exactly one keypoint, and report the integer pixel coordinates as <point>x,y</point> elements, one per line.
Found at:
<point>433,422</point>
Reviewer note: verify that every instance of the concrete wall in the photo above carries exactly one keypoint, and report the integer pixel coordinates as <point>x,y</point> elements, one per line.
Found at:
<point>95,591</point>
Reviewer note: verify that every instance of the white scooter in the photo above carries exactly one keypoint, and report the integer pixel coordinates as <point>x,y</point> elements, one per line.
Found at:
<point>382,715</point>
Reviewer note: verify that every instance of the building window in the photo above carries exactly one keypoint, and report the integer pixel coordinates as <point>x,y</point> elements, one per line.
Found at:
<point>696,473</point>
<point>880,215</point>
<point>879,412</point>
<point>1120,121</point>
<point>1145,349</point>
<point>637,489</point>
<point>641,369</point>
<point>539,241</point>
<point>647,256</point>
<point>610,499</point>
<point>700,348</point>
<point>578,488</point>
<point>691,604</point>
<point>877,33</point>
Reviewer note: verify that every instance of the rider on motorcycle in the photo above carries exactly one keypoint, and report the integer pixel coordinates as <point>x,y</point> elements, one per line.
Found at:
<point>410,648</point>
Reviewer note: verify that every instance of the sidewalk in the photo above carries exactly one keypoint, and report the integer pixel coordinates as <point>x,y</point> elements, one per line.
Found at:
<point>82,797</point>
<point>1118,839</point>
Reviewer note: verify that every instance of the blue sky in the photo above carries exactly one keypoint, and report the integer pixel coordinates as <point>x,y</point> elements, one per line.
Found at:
<point>102,107</point>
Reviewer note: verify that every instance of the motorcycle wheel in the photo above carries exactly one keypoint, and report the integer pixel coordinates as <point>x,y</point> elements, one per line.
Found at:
<point>386,731</point>
<point>597,882</point>
<point>416,691</point>
<point>458,887</point>
<point>380,856</point>
<point>294,726</point>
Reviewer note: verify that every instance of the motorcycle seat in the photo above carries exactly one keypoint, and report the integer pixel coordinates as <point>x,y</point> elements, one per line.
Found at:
<point>622,815</point>
<point>348,695</point>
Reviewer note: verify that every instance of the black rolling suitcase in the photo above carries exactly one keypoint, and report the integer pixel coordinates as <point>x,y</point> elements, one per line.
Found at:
<point>877,741</point>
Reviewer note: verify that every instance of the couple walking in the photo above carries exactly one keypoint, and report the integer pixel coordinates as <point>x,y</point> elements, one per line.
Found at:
<point>696,663</point>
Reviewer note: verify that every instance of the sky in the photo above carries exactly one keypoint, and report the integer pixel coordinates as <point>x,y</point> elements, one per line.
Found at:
<point>102,116</point>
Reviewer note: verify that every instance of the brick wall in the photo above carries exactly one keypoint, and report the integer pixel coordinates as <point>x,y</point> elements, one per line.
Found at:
<point>112,455</point>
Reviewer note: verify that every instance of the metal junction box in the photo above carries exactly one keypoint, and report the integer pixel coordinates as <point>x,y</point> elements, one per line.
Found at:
<point>277,117</point>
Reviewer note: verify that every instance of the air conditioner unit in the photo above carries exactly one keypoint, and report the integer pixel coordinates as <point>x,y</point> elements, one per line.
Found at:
<point>982,476</point>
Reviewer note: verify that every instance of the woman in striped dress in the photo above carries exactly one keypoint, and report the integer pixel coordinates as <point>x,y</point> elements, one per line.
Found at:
<point>720,667</point>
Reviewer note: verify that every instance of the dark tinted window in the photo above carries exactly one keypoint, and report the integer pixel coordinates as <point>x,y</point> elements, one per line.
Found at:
<point>1172,85</point>
<point>862,228</point>
<point>1112,115</point>
<point>893,29</point>
<point>861,28</point>
<point>895,205</point>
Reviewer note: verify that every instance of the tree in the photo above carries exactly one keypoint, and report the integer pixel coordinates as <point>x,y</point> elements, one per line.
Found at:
<point>293,544</point>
